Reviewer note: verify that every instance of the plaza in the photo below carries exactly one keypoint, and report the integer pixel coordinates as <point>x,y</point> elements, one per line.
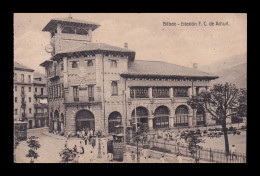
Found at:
<point>52,144</point>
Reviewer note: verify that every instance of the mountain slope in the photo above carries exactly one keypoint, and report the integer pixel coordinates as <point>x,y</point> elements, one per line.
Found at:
<point>232,70</point>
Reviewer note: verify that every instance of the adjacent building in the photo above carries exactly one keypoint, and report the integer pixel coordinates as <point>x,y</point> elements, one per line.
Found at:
<point>96,85</point>
<point>30,96</point>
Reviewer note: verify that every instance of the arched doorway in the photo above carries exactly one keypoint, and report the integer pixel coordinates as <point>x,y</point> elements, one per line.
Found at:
<point>181,116</point>
<point>51,121</point>
<point>161,119</point>
<point>142,115</point>
<point>85,119</point>
<point>200,116</point>
<point>114,119</point>
<point>62,121</point>
<point>56,121</point>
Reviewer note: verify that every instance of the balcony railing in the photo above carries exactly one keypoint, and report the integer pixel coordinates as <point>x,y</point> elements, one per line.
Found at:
<point>40,105</point>
<point>52,74</point>
<point>41,114</point>
<point>90,98</point>
<point>23,104</point>
<point>76,99</point>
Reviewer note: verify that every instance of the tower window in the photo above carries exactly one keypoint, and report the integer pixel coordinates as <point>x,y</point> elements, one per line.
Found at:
<point>15,111</point>
<point>15,99</point>
<point>76,93</point>
<point>15,88</point>
<point>82,32</point>
<point>30,110</point>
<point>30,99</point>
<point>114,88</point>
<point>68,30</point>
<point>113,63</point>
<point>90,63</point>
<point>30,89</point>
<point>74,64</point>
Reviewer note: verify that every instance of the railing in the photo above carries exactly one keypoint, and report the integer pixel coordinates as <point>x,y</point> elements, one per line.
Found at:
<point>41,114</point>
<point>204,154</point>
<point>23,104</point>
<point>52,74</point>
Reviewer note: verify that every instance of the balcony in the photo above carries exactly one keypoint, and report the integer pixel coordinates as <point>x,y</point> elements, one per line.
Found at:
<point>23,104</point>
<point>40,105</point>
<point>23,94</point>
<point>90,98</point>
<point>39,115</point>
<point>24,117</point>
<point>52,74</point>
<point>40,95</point>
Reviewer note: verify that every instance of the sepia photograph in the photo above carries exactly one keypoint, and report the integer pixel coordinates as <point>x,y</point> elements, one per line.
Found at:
<point>130,88</point>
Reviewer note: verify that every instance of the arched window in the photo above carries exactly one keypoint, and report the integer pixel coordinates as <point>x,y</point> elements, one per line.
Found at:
<point>114,87</point>
<point>181,116</point>
<point>68,30</point>
<point>142,115</point>
<point>114,119</point>
<point>161,119</point>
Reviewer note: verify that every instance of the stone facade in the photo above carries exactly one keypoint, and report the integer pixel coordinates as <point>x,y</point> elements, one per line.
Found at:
<point>90,81</point>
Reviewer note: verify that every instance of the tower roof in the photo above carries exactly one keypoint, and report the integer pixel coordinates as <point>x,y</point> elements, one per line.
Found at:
<point>69,22</point>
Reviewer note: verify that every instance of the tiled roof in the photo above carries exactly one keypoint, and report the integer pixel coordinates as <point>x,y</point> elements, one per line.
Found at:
<point>95,46</point>
<point>22,67</point>
<point>71,22</point>
<point>39,75</point>
<point>155,68</point>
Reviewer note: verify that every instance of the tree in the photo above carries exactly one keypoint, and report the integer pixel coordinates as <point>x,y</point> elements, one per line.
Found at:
<point>193,141</point>
<point>242,101</point>
<point>218,102</point>
<point>68,156</point>
<point>33,144</point>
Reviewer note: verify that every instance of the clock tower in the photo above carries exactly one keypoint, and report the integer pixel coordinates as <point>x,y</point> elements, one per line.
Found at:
<point>67,33</point>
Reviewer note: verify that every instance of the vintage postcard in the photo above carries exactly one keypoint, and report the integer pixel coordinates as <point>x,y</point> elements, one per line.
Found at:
<point>130,88</point>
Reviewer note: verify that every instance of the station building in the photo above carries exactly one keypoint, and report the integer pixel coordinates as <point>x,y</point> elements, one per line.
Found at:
<point>96,85</point>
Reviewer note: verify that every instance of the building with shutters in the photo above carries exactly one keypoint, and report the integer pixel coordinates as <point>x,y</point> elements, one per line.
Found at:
<point>30,97</point>
<point>99,86</point>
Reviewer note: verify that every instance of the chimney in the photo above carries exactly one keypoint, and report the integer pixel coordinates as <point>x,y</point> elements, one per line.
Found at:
<point>195,66</point>
<point>126,45</point>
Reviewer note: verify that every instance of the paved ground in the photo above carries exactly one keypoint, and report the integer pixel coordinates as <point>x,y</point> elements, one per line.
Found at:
<point>52,144</point>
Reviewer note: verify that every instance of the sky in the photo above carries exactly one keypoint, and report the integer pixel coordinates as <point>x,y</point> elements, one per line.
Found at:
<point>144,33</point>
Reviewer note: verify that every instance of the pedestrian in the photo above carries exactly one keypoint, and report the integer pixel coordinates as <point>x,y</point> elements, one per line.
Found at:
<point>179,158</point>
<point>81,148</point>
<point>86,140</point>
<point>91,156</point>
<point>162,159</point>
<point>93,142</point>
<point>133,157</point>
<point>233,151</point>
<point>66,144</point>
<point>110,157</point>
<point>75,148</point>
